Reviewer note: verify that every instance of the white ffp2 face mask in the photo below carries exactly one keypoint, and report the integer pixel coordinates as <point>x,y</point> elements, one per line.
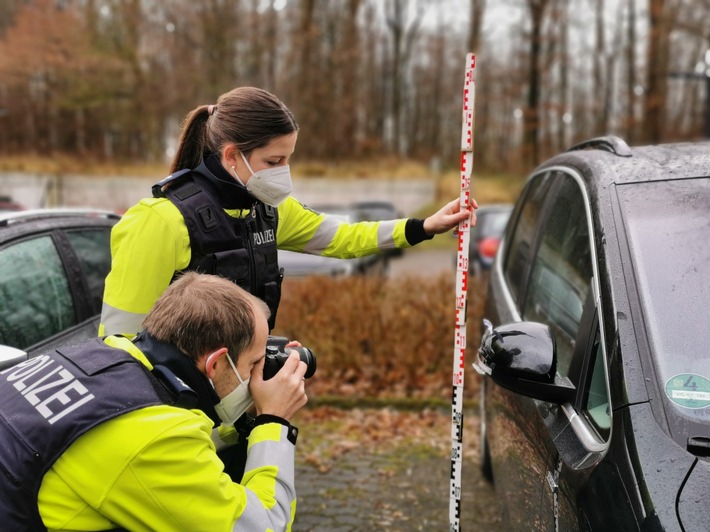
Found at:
<point>238,401</point>
<point>270,185</point>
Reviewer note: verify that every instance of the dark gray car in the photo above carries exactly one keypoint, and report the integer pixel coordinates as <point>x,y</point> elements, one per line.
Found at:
<point>486,236</point>
<point>596,404</point>
<point>296,264</point>
<point>53,263</point>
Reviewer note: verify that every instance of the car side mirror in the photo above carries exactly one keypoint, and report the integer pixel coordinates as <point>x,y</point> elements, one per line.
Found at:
<point>522,357</point>
<point>9,356</point>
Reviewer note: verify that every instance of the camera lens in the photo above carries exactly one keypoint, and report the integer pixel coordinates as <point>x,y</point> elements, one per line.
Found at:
<point>275,360</point>
<point>307,357</point>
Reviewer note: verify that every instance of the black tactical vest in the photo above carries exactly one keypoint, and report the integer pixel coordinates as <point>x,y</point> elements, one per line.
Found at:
<point>240,249</point>
<point>47,402</point>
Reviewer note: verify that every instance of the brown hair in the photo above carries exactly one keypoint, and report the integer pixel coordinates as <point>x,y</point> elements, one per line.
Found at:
<point>246,116</point>
<point>200,313</point>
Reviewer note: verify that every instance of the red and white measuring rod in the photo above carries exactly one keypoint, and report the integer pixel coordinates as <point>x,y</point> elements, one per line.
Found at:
<point>464,235</point>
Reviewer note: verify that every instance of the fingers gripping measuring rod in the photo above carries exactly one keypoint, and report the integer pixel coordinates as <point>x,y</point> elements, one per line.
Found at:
<point>464,235</point>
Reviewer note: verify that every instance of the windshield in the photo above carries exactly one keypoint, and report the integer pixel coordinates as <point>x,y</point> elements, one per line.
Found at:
<point>668,227</point>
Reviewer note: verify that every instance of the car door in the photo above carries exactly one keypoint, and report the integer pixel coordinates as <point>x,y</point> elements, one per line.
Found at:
<point>547,275</point>
<point>561,292</point>
<point>51,285</point>
<point>513,423</point>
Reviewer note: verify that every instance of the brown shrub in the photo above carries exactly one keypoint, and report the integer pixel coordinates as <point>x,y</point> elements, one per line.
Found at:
<point>381,337</point>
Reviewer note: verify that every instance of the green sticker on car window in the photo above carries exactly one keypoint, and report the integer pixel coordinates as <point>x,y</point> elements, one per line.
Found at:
<point>689,390</point>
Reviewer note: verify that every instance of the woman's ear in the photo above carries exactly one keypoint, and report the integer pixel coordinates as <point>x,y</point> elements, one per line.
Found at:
<point>211,361</point>
<point>230,154</point>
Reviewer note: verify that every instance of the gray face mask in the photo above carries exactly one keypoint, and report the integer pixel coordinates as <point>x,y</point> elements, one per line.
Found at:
<point>233,405</point>
<point>270,185</point>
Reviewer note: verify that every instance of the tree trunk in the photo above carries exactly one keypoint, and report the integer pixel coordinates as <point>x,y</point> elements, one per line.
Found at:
<point>305,47</point>
<point>656,82</point>
<point>601,123</point>
<point>349,66</point>
<point>474,36</point>
<point>562,136</point>
<point>531,115</point>
<point>630,120</point>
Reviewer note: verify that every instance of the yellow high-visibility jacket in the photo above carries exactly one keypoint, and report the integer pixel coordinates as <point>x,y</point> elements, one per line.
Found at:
<point>155,469</point>
<point>151,243</point>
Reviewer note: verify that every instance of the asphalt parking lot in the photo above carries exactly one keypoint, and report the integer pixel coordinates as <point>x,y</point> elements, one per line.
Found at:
<point>427,262</point>
<point>385,486</point>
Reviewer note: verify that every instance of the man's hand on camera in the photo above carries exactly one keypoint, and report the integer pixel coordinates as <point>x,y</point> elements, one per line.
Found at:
<point>284,394</point>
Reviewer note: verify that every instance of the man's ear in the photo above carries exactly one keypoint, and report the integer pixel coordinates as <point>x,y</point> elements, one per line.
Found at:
<point>211,361</point>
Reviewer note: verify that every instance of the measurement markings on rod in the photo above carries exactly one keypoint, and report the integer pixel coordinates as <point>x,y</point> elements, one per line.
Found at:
<point>464,235</point>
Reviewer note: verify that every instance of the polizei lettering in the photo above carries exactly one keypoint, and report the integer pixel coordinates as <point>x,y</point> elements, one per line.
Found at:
<point>264,237</point>
<point>48,386</point>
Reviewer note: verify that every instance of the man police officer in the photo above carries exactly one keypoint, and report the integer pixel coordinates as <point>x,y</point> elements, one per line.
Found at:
<point>97,437</point>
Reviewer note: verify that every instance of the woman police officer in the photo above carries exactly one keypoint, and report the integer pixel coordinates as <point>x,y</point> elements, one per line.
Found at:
<point>225,210</point>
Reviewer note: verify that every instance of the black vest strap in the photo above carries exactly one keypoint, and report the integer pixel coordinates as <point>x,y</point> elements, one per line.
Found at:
<point>157,189</point>
<point>163,355</point>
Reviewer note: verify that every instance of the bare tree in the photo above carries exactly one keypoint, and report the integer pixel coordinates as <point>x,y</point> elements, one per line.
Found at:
<point>601,112</point>
<point>348,58</point>
<point>631,67</point>
<point>660,25</point>
<point>554,78</point>
<point>688,102</point>
<point>45,71</point>
<point>305,40</point>
<point>403,31</point>
<point>374,90</point>
<point>113,78</point>
<point>563,72</point>
<point>269,56</point>
<point>531,114</point>
<point>478,8</point>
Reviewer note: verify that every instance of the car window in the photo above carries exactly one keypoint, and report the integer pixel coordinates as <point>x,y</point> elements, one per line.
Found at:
<point>36,299</point>
<point>561,271</point>
<point>519,248</point>
<point>595,405</point>
<point>93,248</point>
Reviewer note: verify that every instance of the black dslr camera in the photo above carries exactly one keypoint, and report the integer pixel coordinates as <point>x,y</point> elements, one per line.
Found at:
<point>277,353</point>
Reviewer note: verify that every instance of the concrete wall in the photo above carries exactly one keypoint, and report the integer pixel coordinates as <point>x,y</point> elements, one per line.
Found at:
<point>117,193</point>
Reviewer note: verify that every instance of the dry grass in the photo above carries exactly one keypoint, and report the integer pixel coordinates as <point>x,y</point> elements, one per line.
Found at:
<point>486,188</point>
<point>375,168</point>
<point>385,338</point>
<point>367,168</point>
<point>57,164</point>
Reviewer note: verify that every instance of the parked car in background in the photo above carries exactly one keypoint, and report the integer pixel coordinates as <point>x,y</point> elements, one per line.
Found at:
<point>486,236</point>
<point>595,408</point>
<point>375,210</point>
<point>7,204</point>
<point>53,263</point>
<point>304,264</point>
<point>378,210</point>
